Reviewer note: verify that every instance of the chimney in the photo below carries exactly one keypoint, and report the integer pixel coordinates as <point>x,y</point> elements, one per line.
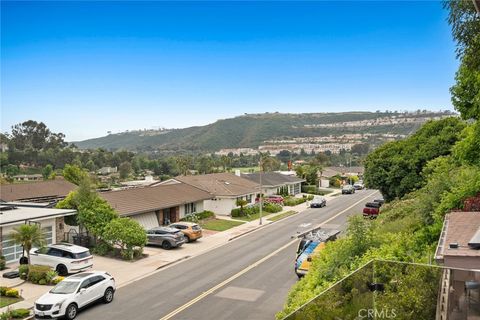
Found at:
<point>237,173</point>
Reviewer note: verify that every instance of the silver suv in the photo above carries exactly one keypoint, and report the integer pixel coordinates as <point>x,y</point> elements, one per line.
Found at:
<point>165,237</point>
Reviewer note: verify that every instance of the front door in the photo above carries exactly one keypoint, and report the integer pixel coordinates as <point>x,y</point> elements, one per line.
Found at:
<point>173,215</point>
<point>166,216</point>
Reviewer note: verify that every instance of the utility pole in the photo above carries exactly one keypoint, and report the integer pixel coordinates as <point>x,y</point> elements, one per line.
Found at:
<point>261,193</point>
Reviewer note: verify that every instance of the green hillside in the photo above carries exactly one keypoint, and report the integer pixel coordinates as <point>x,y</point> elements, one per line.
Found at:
<point>249,130</point>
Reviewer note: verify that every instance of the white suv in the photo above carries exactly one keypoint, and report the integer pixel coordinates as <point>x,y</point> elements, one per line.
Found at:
<point>65,258</point>
<point>73,293</point>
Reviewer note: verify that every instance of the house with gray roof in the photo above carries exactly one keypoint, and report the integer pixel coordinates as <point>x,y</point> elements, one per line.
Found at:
<point>225,188</point>
<point>274,182</point>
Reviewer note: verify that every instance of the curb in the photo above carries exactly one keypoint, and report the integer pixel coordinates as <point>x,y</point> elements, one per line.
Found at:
<point>172,262</point>
<point>251,230</point>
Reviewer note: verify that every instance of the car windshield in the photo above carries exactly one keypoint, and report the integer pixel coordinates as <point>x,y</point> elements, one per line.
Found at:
<point>65,287</point>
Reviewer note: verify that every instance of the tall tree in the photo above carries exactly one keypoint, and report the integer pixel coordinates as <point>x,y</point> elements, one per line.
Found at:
<point>465,22</point>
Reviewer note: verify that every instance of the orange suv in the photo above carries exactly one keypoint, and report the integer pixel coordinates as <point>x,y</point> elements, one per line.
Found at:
<point>191,231</point>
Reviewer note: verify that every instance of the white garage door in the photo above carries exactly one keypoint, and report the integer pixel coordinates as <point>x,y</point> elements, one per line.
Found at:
<point>147,220</point>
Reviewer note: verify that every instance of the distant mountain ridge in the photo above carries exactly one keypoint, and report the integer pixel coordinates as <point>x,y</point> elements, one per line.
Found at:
<point>251,130</point>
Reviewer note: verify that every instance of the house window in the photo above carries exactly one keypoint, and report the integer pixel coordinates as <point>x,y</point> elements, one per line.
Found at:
<point>296,188</point>
<point>190,208</point>
<point>249,198</point>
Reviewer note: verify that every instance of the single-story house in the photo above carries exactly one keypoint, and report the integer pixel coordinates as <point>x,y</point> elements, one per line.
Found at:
<point>158,204</point>
<point>328,172</point>
<point>459,244</point>
<point>15,214</point>
<point>107,170</point>
<point>28,177</point>
<point>274,182</point>
<point>225,188</point>
<point>41,191</point>
<point>459,250</point>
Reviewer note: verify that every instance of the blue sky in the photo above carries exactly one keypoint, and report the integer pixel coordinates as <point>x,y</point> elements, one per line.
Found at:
<point>85,68</point>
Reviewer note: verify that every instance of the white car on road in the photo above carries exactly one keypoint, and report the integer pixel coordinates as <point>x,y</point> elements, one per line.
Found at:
<point>74,293</point>
<point>65,258</point>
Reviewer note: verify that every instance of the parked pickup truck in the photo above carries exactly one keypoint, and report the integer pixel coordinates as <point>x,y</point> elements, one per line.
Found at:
<point>371,210</point>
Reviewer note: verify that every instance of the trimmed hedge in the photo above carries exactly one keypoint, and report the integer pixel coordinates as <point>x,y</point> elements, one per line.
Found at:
<point>292,201</point>
<point>254,209</point>
<point>194,217</point>
<point>38,273</point>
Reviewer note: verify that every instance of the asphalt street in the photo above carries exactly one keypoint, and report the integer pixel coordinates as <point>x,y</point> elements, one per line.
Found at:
<point>248,278</point>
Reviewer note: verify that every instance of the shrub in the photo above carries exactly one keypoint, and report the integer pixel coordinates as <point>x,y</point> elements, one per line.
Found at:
<point>194,217</point>
<point>37,273</point>
<point>3,290</point>
<point>50,275</point>
<point>12,292</point>
<point>56,280</point>
<point>42,282</point>
<point>272,207</point>
<point>7,315</point>
<point>20,313</point>
<point>102,248</point>
<point>127,234</point>
<point>292,201</point>
<point>2,263</point>
<point>23,271</point>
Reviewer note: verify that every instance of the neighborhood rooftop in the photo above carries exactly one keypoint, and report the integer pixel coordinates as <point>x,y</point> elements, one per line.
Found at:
<point>459,228</point>
<point>138,200</point>
<point>273,179</point>
<point>11,215</point>
<point>42,191</point>
<point>221,184</point>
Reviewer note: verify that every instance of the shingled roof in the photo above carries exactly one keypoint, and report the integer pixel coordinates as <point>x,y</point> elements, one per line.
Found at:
<point>36,191</point>
<point>221,184</point>
<point>272,179</point>
<point>139,200</point>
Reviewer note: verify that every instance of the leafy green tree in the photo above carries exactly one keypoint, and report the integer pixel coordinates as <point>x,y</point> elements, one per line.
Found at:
<point>269,163</point>
<point>465,22</point>
<point>127,234</point>
<point>29,236</point>
<point>395,168</point>
<point>125,169</point>
<point>74,174</point>
<point>47,172</point>
<point>12,170</point>
<point>468,149</point>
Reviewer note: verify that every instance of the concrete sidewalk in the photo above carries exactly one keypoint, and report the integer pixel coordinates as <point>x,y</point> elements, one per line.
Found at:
<point>126,272</point>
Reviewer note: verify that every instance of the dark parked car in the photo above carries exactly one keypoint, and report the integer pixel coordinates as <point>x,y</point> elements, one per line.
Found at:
<point>371,210</point>
<point>348,189</point>
<point>381,201</point>
<point>165,237</point>
<point>318,202</point>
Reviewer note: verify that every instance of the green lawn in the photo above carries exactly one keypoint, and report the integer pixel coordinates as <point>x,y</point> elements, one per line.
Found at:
<point>282,215</point>
<point>6,301</point>
<point>219,224</point>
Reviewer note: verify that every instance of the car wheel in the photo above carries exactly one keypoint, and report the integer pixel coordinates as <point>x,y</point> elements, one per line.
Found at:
<point>71,311</point>
<point>166,245</point>
<point>108,295</point>
<point>62,270</point>
<point>187,239</point>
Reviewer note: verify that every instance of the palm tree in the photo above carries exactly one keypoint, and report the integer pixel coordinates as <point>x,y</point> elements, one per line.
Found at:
<point>28,235</point>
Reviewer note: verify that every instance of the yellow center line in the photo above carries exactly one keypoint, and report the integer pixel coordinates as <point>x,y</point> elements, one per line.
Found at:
<point>250,267</point>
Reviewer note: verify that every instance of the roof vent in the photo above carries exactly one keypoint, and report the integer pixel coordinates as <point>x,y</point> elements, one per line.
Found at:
<point>474,243</point>
<point>453,245</point>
